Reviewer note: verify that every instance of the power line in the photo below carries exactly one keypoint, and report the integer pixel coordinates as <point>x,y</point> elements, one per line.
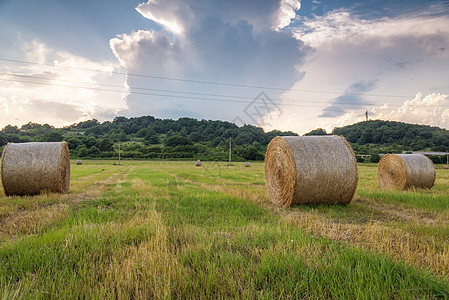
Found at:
<point>203,82</point>
<point>153,94</point>
<point>282,101</point>
<point>329,105</point>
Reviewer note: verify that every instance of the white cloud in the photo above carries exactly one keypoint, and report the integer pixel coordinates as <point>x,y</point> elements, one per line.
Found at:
<point>144,48</point>
<point>286,12</point>
<point>179,16</point>
<point>339,26</point>
<point>402,55</point>
<point>213,41</point>
<point>52,90</point>
<point>432,109</point>
<point>172,15</point>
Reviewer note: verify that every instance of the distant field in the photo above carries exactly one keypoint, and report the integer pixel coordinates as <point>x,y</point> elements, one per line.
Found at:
<point>173,230</point>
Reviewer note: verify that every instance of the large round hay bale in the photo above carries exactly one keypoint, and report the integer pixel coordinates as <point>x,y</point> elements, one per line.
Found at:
<point>247,164</point>
<point>198,163</point>
<point>79,162</point>
<point>310,169</point>
<point>403,171</point>
<point>29,168</point>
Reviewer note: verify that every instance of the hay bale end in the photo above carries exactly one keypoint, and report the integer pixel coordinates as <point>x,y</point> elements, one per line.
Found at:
<point>403,171</point>
<point>310,170</point>
<point>30,168</point>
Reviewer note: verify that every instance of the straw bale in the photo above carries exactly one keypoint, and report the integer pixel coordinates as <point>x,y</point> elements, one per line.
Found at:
<point>79,162</point>
<point>247,164</point>
<point>310,170</point>
<point>403,171</point>
<point>198,163</point>
<point>445,167</point>
<point>30,168</point>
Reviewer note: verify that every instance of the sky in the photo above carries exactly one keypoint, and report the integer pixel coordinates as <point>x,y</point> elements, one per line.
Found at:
<point>279,64</point>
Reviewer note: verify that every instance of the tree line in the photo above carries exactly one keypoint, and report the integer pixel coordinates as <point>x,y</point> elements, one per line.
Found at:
<point>148,137</point>
<point>378,136</point>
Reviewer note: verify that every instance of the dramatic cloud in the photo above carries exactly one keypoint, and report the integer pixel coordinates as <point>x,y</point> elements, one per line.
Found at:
<point>316,64</point>
<point>146,51</point>
<point>400,56</point>
<point>58,88</point>
<point>208,41</point>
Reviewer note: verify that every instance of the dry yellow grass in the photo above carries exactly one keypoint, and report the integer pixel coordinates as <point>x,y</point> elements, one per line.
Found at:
<point>31,221</point>
<point>147,270</point>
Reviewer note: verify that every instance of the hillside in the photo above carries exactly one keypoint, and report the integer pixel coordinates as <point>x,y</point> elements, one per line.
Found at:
<point>388,136</point>
<point>151,138</point>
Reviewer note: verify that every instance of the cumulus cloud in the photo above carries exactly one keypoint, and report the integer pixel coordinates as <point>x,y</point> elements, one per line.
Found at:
<point>179,16</point>
<point>60,89</point>
<point>146,51</point>
<point>173,15</point>
<point>286,12</point>
<point>432,109</point>
<point>400,56</point>
<point>208,41</point>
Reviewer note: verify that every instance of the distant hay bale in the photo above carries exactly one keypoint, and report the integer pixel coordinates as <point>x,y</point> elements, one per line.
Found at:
<point>79,162</point>
<point>310,169</point>
<point>29,168</point>
<point>403,171</point>
<point>198,163</point>
<point>247,164</point>
<point>445,167</point>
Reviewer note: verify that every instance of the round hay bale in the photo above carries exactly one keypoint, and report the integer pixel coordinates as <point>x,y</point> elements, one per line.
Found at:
<point>29,168</point>
<point>403,171</point>
<point>247,164</point>
<point>445,167</point>
<point>309,170</point>
<point>79,162</point>
<point>198,163</point>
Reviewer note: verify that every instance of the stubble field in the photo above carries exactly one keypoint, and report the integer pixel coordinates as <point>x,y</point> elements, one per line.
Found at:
<point>173,230</point>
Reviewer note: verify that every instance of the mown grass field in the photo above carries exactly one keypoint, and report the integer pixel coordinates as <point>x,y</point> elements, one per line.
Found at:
<point>171,230</point>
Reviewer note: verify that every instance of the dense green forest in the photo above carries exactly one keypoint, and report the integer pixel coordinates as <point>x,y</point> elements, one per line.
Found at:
<point>377,136</point>
<point>186,138</point>
<point>150,138</point>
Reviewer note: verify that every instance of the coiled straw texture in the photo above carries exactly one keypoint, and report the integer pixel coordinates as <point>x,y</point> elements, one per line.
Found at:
<point>310,170</point>
<point>404,171</point>
<point>31,168</point>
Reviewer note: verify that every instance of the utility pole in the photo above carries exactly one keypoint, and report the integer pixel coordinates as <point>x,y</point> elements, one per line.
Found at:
<point>366,114</point>
<point>229,151</point>
<point>119,152</point>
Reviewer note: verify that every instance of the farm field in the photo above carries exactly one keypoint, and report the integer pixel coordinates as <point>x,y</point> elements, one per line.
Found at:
<point>171,230</point>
